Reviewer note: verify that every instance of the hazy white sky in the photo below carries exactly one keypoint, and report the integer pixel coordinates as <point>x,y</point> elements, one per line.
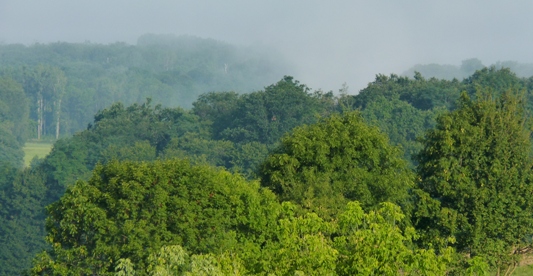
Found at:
<point>329,42</point>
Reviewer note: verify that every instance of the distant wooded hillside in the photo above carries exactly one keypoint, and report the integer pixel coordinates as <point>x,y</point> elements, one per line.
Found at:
<point>467,68</point>
<point>65,84</point>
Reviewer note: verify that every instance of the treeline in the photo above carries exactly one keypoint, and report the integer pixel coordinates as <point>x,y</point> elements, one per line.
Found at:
<point>146,132</point>
<point>299,171</point>
<point>65,84</point>
<point>466,69</point>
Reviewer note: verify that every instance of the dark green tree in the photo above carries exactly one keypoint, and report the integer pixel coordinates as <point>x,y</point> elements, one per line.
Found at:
<point>421,93</point>
<point>10,148</point>
<point>14,119</point>
<point>14,108</point>
<point>218,109</point>
<point>475,178</point>
<point>264,116</point>
<point>200,150</point>
<point>402,122</point>
<point>498,80</point>
<point>22,194</point>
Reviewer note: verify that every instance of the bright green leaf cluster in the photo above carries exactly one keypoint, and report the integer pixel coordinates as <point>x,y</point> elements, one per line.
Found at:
<point>127,210</point>
<point>341,158</point>
<point>359,243</point>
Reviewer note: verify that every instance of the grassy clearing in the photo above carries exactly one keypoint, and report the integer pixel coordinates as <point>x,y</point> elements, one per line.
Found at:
<point>32,149</point>
<point>524,270</point>
<point>525,267</point>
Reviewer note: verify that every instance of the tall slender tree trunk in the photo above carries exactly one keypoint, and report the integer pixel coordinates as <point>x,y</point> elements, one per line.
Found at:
<point>38,119</point>
<point>58,112</point>
<point>43,123</point>
<point>39,116</point>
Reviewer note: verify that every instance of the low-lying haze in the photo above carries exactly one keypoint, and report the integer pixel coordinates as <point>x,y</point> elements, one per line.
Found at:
<point>329,42</point>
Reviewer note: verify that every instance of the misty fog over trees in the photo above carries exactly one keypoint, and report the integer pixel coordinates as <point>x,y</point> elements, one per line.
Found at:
<point>180,155</point>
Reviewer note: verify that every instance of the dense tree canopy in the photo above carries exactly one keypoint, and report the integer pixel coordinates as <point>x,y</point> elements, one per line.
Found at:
<point>401,121</point>
<point>21,217</point>
<point>263,116</point>
<point>341,158</point>
<point>316,152</point>
<point>69,82</point>
<point>14,119</point>
<point>149,218</point>
<point>130,210</point>
<point>476,170</point>
<point>14,108</point>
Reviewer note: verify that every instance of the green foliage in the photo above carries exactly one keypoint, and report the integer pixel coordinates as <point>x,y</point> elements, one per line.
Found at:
<point>421,93</point>
<point>140,151</point>
<point>476,170</point>
<point>200,150</point>
<point>217,108</point>
<point>142,132</point>
<point>401,121</point>
<point>21,218</point>
<point>67,162</point>
<point>173,71</point>
<point>14,115</point>
<point>322,166</point>
<point>302,244</point>
<point>247,158</point>
<point>45,87</point>
<point>139,122</point>
<point>404,108</point>
<point>139,132</point>
<point>174,260</point>
<point>497,80</point>
<point>358,243</point>
<point>240,158</point>
<point>319,167</point>
<point>14,109</point>
<point>167,261</point>
<point>10,149</point>
<point>129,210</point>
<point>124,268</point>
<point>373,244</point>
<point>264,116</point>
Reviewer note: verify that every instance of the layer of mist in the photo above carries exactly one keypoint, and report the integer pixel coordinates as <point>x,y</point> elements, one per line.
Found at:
<point>329,43</point>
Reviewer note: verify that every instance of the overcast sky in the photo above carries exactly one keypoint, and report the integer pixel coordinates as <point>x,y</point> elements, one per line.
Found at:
<point>329,42</point>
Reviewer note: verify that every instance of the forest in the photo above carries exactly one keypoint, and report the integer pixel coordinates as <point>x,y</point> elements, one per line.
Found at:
<point>189,156</point>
